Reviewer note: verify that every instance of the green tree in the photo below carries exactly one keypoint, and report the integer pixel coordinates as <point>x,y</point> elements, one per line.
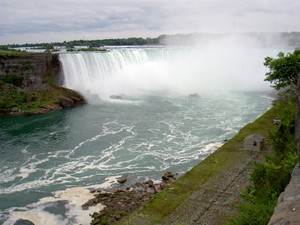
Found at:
<point>283,71</point>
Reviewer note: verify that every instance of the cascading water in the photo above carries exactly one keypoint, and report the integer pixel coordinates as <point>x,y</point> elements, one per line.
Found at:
<point>139,71</point>
<point>97,75</point>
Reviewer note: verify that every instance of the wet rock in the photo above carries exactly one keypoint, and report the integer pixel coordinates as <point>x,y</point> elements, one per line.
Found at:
<point>122,180</point>
<point>193,96</point>
<point>66,102</point>
<point>115,97</point>
<point>168,177</point>
<point>91,202</point>
<point>120,202</point>
<point>149,182</point>
<point>156,188</point>
<point>93,190</point>
<point>112,190</point>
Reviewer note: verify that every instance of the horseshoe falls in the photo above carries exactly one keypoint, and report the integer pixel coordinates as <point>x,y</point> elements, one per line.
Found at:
<point>134,72</point>
<point>140,121</point>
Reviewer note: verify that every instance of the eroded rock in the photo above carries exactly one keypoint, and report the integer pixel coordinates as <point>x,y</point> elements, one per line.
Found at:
<point>120,202</point>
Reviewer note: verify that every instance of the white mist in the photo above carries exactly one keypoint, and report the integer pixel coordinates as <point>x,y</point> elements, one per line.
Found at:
<point>227,64</point>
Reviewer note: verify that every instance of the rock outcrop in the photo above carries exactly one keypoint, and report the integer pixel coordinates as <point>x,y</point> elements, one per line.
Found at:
<point>29,85</point>
<point>121,201</point>
<point>32,71</point>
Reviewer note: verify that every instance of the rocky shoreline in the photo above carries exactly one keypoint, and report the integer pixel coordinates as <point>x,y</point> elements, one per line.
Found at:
<point>120,201</point>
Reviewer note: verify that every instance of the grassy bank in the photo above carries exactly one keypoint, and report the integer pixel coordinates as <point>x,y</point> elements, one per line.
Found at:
<point>270,177</point>
<point>15,101</point>
<point>228,157</point>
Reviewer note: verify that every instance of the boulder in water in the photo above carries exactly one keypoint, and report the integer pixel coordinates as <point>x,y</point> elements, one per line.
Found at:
<point>193,95</point>
<point>115,97</point>
<point>118,96</point>
<point>122,180</point>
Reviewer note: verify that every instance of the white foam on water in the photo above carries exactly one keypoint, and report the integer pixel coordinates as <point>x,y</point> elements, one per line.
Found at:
<point>7,175</point>
<point>124,101</point>
<point>109,181</point>
<point>212,146</point>
<point>73,198</point>
<point>25,172</point>
<point>23,186</point>
<point>37,217</point>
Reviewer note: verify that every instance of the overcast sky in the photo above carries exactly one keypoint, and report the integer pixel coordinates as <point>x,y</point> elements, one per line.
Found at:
<point>24,21</point>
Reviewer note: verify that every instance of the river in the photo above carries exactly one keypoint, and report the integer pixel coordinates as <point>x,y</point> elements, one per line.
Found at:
<point>152,126</point>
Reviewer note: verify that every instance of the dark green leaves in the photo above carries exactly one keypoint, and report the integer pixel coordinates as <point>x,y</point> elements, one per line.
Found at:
<point>283,71</point>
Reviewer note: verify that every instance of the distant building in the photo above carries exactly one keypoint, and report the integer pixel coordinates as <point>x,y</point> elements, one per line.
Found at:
<point>254,142</point>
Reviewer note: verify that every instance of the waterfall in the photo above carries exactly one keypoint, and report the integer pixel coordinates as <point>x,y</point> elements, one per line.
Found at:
<point>97,75</point>
<point>136,71</point>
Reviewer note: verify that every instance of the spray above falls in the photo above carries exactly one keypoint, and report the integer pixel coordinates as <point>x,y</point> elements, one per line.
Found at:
<point>165,70</point>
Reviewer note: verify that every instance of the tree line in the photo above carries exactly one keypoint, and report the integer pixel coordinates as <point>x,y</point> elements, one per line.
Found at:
<point>92,43</point>
<point>289,38</point>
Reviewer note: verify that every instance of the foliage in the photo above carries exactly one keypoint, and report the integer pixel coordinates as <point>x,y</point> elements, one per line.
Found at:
<point>283,71</point>
<point>258,215</point>
<point>271,177</point>
<point>10,97</point>
<point>48,46</point>
<point>6,53</point>
<point>89,49</point>
<point>93,43</point>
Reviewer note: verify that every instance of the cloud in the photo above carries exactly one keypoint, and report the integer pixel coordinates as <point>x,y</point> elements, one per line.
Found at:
<point>27,21</point>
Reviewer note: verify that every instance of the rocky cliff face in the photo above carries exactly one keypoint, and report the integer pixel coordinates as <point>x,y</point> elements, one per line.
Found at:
<point>28,85</point>
<point>33,71</point>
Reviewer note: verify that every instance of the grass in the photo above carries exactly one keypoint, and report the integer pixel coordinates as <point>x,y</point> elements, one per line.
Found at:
<point>34,100</point>
<point>228,155</point>
<point>9,53</point>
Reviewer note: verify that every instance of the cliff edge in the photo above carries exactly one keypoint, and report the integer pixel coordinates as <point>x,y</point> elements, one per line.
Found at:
<point>29,85</point>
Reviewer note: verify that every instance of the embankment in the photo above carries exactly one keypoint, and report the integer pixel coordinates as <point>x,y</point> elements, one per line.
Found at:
<point>209,192</point>
<point>29,85</point>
